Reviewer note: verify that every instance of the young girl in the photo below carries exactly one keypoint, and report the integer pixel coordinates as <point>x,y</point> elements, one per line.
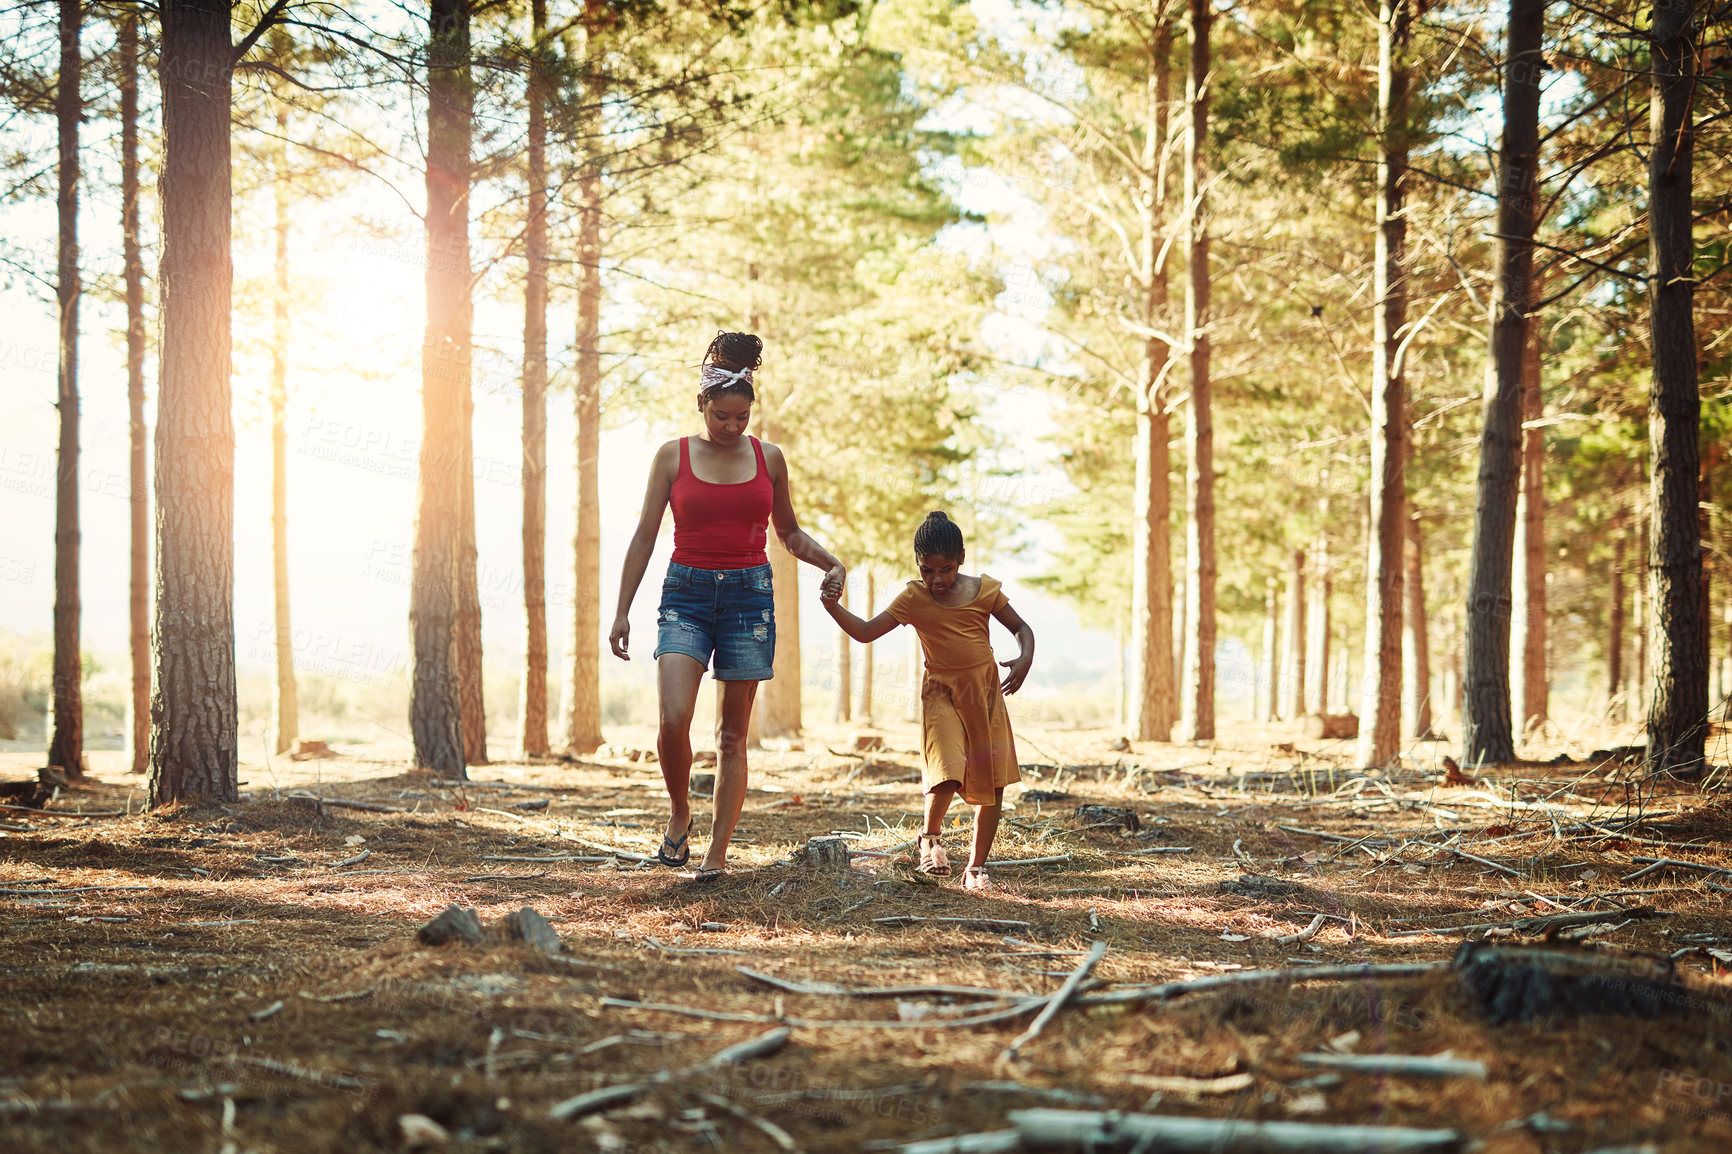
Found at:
<point>964,727</point>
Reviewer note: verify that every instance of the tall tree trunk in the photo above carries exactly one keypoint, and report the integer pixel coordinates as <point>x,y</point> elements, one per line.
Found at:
<point>866,652</point>
<point>1486,734</point>
<point>1640,621</point>
<point>1154,707</point>
<point>288,708</point>
<point>193,732</point>
<point>1198,704</point>
<point>1291,687</point>
<point>435,712</point>
<point>532,727</point>
<point>1415,636</point>
<point>778,710</point>
<point>66,745</point>
<point>133,259</point>
<point>1380,699</point>
<point>471,698</point>
<point>1677,715</point>
<point>1615,710</point>
<point>1317,624</point>
<point>583,726</point>
<point>1266,710</point>
<point>1529,688</point>
<point>844,670</point>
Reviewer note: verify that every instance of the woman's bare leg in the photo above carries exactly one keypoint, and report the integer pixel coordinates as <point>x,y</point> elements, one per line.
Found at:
<point>677,680</point>
<point>733,721</point>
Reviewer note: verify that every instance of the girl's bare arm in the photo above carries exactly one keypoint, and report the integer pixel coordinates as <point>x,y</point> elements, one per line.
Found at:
<point>865,632</point>
<point>1018,666</point>
<point>643,543</point>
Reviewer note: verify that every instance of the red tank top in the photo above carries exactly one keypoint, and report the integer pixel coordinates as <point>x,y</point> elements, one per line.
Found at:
<point>721,526</point>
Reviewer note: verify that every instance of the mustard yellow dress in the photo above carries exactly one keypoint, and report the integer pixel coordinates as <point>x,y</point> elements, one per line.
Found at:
<point>965,729</point>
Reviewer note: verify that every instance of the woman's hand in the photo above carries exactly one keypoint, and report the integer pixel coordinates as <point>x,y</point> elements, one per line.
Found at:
<point>830,590</point>
<point>1018,672</point>
<point>619,637</point>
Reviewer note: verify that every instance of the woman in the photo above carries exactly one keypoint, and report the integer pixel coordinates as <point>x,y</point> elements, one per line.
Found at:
<point>725,487</point>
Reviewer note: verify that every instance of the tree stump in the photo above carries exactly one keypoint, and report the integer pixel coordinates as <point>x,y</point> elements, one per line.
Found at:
<point>525,925</point>
<point>1115,814</point>
<point>1331,726</point>
<point>824,853</point>
<point>455,923</point>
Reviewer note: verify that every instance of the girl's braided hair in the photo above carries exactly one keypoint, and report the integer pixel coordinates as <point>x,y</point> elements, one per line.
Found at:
<point>728,365</point>
<point>938,536</point>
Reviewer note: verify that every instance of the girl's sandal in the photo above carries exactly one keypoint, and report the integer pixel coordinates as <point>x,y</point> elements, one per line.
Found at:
<point>932,857</point>
<point>975,878</point>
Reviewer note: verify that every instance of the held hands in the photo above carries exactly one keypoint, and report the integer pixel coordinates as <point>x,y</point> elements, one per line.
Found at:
<point>830,591</point>
<point>1018,667</point>
<point>619,637</point>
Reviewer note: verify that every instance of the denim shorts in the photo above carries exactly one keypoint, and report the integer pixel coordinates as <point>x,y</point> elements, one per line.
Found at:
<point>727,613</point>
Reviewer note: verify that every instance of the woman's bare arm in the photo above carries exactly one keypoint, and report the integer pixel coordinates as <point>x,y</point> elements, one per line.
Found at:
<point>796,540</point>
<point>643,543</point>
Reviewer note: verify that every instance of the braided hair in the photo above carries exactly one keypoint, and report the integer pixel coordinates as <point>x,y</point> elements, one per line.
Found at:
<point>728,365</point>
<point>938,536</point>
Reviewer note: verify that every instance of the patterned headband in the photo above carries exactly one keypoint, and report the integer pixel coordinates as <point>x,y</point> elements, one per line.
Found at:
<point>714,378</point>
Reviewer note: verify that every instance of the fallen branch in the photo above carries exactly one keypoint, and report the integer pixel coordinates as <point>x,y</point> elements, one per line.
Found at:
<point>775,1133</point>
<point>1398,1065</point>
<point>1029,861</point>
<point>1025,1007</point>
<point>991,1142</point>
<point>1537,925</point>
<point>1064,994</point>
<point>1515,873</point>
<point>348,861</point>
<point>64,812</point>
<point>90,889</point>
<point>1169,990</point>
<point>1303,935</point>
<point>595,1100</point>
<point>760,1047</point>
<point>908,919</point>
<point>1044,1129</point>
<point>505,877</point>
<point>1162,849</point>
<point>1660,863</point>
<point>836,990</point>
<point>369,806</point>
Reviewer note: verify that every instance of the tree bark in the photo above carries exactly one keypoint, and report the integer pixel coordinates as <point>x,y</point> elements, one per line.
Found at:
<point>471,697</point>
<point>1415,637</point>
<point>1677,715</point>
<point>1615,710</point>
<point>532,729</point>
<point>1317,623</point>
<point>1528,684</point>
<point>193,716</point>
<point>583,725</point>
<point>778,711</point>
<point>435,711</point>
<point>1380,698</point>
<point>1485,722</point>
<point>66,745</point>
<point>866,652</point>
<point>287,711</point>
<point>1291,693</point>
<point>1198,706</point>
<point>1154,707</point>
<point>1266,710</point>
<point>1640,616</point>
<point>133,259</point>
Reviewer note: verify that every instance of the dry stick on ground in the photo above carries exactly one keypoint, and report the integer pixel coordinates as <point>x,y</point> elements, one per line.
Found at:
<point>610,1096</point>
<point>836,990</point>
<point>1043,1129</point>
<point>1662,862</point>
<point>1303,935</point>
<point>1065,992</point>
<point>909,919</point>
<point>1537,925</point>
<point>360,857</point>
<point>1398,1065</point>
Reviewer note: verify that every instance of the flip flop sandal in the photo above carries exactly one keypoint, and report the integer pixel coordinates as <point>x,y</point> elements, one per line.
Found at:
<point>668,843</point>
<point>709,873</point>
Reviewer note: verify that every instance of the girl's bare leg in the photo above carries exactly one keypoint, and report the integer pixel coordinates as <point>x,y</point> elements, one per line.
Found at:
<point>677,679</point>
<point>985,829</point>
<point>733,721</point>
<point>938,804</point>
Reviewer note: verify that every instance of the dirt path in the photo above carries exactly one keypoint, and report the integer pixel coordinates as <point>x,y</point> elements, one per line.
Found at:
<point>164,972</point>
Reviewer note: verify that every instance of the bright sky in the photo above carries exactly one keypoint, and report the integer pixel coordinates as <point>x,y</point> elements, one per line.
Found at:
<point>353,434</point>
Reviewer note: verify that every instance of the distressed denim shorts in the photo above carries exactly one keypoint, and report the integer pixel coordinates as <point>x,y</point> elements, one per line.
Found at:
<point>727,613</point>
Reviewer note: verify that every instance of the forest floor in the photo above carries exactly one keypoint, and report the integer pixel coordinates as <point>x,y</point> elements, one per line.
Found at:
<point>244,979</point>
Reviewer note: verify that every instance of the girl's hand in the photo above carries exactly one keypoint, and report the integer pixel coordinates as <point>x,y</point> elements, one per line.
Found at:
<point>619,637</point>
<point>1018,673</point>
<point>829,596</point>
